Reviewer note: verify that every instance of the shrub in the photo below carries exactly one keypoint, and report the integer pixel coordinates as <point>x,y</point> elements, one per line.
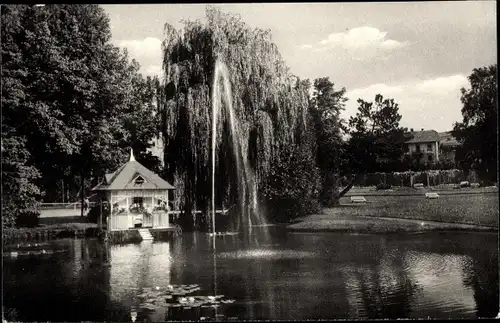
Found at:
<point>28,219</point>
<point>292,187</point>
<point>95,212</point>
<point>383,186</point>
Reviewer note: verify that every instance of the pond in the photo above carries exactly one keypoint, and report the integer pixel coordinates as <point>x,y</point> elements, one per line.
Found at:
<point>287,276</point>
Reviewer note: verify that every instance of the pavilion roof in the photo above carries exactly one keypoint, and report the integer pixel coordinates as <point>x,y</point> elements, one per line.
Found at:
<point>124,178</point>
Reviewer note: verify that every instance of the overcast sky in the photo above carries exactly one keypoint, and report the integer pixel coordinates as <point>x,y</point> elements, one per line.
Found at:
<point>418,53</point>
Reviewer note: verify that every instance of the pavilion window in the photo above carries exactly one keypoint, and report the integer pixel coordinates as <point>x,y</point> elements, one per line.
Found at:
<point>139,181</point>
<point>137,200</point>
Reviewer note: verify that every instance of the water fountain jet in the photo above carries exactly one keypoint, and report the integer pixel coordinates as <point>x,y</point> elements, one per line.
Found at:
<point>246,181</point>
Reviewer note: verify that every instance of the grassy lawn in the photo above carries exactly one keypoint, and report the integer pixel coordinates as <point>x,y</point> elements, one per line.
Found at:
<point>440,189</point>
<point>376,225</point>
<point>477,209</point>
<point>385,214</point>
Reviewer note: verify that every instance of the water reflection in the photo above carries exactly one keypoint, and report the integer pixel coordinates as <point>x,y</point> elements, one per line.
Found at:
<point>291,276</point>
<point>71,285</point>
<point>138,266</point>
<point>440,278</point>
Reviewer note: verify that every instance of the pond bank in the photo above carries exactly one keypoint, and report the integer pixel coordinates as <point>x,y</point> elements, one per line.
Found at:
<point>48,232</point>
<point>329,222</point>
<point>81,230</point>
<point>133,236</point>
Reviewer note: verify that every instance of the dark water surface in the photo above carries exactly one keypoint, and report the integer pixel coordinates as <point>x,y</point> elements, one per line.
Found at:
<point>291,276</point>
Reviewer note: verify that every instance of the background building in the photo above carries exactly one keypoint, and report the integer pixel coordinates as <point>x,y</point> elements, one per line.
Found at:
<point>447,147</point>
<point>424,146</point>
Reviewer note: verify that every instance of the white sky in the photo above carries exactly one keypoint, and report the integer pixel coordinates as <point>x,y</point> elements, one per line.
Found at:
<point>419,53</point>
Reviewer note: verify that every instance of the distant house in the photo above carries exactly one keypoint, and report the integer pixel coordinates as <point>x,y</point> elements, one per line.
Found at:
<point>423,146</point>
<point>447,147</point>
<point>137,197</point>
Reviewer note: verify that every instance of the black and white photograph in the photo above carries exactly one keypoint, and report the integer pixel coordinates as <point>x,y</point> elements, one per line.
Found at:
<point>249,161</point>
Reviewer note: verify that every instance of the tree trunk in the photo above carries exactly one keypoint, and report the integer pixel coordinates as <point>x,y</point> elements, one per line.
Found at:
<point>62,180</point>
<point>329,190</point>
<point>100,214</point>
<point>348,187</point>
<point>82,195</point>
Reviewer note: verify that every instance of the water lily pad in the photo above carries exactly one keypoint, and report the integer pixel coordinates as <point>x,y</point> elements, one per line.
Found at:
<point>147,306</point>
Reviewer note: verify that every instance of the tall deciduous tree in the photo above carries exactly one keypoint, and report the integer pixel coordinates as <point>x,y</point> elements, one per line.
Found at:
<point>327,104</point>
<point>293,185</point>
<point>477,133</point>
<point>377,141</point>
<point>19,193</point>
<point>73,99</point>
<point>141,119</point>
<point>267,104</point>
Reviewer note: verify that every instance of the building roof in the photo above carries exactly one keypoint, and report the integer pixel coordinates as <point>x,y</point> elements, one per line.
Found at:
<point>124,178</point>
<point>423,136</point>
<point>447,139</point>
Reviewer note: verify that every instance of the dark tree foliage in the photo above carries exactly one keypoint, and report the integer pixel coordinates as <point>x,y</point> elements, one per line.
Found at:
<point>294,182</point>
<point>477,133</point>
<point>270,104</point>
<point>377,141</point>
<point>70,97</point>
<point>327,104</point>
<point>19,194</point>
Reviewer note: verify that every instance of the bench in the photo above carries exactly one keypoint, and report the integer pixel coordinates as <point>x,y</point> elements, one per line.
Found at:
<point>431,195</point>
<point>464,184</point>
<point>358,199</point>
<point>418,185</point>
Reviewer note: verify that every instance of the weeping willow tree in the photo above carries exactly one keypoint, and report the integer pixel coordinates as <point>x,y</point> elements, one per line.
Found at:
<point>270,104</point>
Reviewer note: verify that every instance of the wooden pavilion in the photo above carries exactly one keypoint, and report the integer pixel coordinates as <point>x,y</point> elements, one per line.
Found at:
<point>137,197</point>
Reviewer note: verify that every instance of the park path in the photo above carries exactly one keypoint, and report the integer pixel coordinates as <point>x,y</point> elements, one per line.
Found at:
<point>58,213</point>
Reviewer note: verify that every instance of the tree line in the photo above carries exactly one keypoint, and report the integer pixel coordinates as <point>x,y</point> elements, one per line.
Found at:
<point>72,103</point>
